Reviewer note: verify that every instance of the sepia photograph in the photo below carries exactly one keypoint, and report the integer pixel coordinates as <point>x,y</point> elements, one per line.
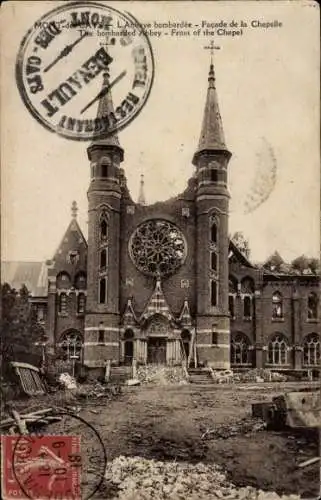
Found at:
<point>160,250</point>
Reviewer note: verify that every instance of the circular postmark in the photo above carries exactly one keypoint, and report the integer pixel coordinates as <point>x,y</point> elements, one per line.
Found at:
<point>69,465</point>
<point>73,58</point>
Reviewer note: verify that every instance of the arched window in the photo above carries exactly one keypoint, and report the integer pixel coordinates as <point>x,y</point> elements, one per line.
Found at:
<point>231,305</point>
<point>247,286</point>
<point>63,280</point>
<point>104,170</point>
<point>71,344</point>
<point>232,285</point>
<point>81,280</point>
<point>240,352</point>
<point>213,293</point>
<point>101,335</point>
<point>247,307</point>
<point>103,229</point>
<point>213,261</point>
<point>312,306</point>
<point>311,350</point>
<point>81,303</point>
<point>278,350</point>
<point>277,305</point>
<point>213,235</point>
<point>103,259</point>
<point>62,307</point>
<point>102,290</point>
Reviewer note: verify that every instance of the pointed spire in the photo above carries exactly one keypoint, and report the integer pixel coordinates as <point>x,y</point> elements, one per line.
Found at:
<point>141,196</point>
<point>129,317</point>
<point>185,316</point>
<point>106,109</point>
<point>212,134</point>
<point>74,210</point>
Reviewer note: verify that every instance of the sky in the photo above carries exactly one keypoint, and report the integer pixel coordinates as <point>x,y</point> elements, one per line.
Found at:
<point>267,81</point>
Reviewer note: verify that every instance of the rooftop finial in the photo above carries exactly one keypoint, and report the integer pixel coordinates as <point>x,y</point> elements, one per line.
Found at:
<point>212,134</point>
<point>141,196</point>
<point>74,210</point>
<point>211,75</point>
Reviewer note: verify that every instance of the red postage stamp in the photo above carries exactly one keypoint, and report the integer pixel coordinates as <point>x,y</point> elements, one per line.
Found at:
<point>41,467</point>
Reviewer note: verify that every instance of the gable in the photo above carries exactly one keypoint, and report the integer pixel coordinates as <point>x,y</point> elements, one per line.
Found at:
<point>71,254</point>
<point>235,256</point>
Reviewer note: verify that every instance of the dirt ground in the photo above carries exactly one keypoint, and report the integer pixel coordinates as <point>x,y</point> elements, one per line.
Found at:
<point>168,423</point>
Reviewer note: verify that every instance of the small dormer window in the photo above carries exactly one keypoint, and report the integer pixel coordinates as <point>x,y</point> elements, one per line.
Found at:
<point>73,257</point>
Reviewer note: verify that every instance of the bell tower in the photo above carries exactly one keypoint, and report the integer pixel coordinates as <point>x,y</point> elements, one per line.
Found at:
<point>104,196</point>
<point>212,201</point>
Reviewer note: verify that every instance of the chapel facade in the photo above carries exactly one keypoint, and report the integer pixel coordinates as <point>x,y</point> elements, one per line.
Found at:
<point>164,283</point>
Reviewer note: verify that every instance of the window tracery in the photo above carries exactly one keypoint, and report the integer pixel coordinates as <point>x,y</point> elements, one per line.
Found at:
<point>71,344</point>
<point>277,306</point>
<point>240,352</point>
<point>311,350</point>
<point>313,306</point>
<point>62,303</point>
<point>278,350</point>
<point>157,247</point>
<point>81,303</point>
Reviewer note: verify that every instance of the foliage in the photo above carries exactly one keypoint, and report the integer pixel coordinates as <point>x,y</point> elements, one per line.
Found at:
<point>305,265</point>
<point>19,329</point>
<point>274,262</point>
<point>241,243</point>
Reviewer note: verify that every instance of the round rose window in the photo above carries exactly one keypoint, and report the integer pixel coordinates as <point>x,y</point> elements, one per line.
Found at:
<point>157,247</point>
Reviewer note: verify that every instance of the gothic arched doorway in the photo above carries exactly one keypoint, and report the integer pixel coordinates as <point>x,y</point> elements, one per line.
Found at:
<point>157,333</point>
<point>128,347</point>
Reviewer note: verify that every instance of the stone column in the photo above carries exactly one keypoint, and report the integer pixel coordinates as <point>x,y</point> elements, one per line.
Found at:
<point>296,325</point>
<point>259,358</point>
<point>169,352</point>
<point>51,314</point>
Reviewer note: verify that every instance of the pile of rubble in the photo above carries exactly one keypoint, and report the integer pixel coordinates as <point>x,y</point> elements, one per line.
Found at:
<point>88,391</point>
<point>255,375</point>
<point>136,478</point>
<point>97,391</point>
<point>262,375</point>
<point>161,375</point>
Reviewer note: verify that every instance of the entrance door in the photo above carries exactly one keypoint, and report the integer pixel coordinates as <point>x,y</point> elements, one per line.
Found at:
<point>156,350</point>
<point>129,352</point>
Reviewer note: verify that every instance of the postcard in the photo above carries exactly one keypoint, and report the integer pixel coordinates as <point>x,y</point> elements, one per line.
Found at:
<point>160,249</point>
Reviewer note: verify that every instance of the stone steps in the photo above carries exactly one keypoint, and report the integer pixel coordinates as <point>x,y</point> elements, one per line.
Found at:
<point>199,376</point>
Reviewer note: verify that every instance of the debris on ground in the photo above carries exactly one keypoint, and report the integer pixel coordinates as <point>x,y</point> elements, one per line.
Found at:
<point>97,391</point>
<point>257,375</point>
<point>29,379</point>
<point>22,423</point>
<point>245,426</point>
<point>161,375</point>
<point>293,409</point>
<point>224,376</point>
<point>67,381</point>
<point>133,381</point>
<point>136,478</point>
